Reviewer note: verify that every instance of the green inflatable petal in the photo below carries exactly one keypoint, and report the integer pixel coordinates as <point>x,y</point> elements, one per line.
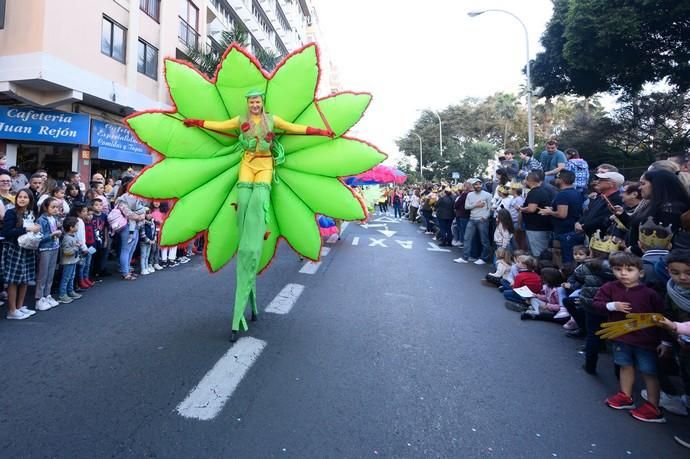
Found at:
<point>163,180</point>
<point>293,85</point>
<point>238,75</point>
<point>296,221</point>
<point>194,212</point>
<point>342,112</point>
<point>196,97</point>
<point>323,195</point>
<point>223,237</point>
<point>167,135</point>
<point>339,158</point>
<point>271,241</point>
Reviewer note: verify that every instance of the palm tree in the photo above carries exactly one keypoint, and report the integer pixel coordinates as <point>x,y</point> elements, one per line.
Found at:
<point>207,58</point>
<point>506,106</point>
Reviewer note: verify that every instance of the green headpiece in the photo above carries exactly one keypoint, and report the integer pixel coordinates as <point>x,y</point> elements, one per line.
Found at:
<point>254,93</point>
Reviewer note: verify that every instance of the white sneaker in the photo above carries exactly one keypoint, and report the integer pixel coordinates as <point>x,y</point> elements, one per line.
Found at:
<point>42,305</point>
<point>151,270</point>
<point>17,315</point>
<point>184,260</point>
<point>28,311</point>
<point>52,301</point>
<point>456,244</point>
<point>157,267</point>
<point>672,404</point>
<point>479,261</point>
<point>460,260</point>
<point>144,271</point>
<point>562,313</point>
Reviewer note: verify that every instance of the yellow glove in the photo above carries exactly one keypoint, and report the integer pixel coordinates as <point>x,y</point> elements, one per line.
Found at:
<point>633,322</point>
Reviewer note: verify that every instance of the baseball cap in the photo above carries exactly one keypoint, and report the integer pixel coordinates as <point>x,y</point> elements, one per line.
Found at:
<point>475,180</point>
<point>615,177</point>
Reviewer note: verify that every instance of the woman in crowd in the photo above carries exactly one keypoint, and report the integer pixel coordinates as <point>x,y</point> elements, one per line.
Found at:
<point>128,204</point>
<point>73,194</point>
<point>6,194</point>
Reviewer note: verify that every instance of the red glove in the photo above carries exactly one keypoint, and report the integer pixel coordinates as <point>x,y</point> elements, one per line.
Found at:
<point>317,131</point>
<point>190,122</point>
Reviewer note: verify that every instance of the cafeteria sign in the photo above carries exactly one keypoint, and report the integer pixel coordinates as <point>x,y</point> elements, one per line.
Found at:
<point>28,123</point>
<point>115,136</point>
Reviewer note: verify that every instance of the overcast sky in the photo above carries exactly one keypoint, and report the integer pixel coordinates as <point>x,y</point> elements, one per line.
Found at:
<point>412,54</point>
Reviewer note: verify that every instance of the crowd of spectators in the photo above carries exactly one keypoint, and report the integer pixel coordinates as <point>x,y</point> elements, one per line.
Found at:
<point>580,246</point>
<point>59,238</point>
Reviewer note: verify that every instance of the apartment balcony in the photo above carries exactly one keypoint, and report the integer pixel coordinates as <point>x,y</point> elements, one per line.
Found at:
<point>188,35</point>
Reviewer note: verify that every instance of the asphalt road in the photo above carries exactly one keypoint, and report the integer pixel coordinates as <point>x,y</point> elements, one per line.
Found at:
<point>391,350</point>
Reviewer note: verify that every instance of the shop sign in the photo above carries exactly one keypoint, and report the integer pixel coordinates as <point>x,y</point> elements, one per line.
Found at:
<point>33,124</point>
<point>115,136</point>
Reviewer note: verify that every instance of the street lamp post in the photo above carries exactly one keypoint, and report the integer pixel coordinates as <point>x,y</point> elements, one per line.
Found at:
<point>421,173</point>
<point>440,128</point>
<point>530,125</point>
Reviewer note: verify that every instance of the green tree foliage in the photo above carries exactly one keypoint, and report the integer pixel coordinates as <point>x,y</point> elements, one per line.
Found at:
<point>592,46</point>
<point>207,58</point>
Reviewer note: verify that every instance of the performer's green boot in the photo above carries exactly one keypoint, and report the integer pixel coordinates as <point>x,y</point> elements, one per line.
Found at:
<point>252,207</point>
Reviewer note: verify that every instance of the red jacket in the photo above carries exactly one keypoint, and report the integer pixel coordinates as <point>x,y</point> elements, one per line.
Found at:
<point>530,279</point>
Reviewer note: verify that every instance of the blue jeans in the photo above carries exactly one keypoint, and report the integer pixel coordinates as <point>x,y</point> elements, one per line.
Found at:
<point>510,295</point>
<point>568,241</point>
<point>445,236</point>
<point>144,255</point>
<point>67,279</point>
<point>472,227</point>
<point>397,211</point>
<point>538,241</point>
<point>428,219</point>
<point>462,226</point>
<point>83,267</point>
<point>127,250</point>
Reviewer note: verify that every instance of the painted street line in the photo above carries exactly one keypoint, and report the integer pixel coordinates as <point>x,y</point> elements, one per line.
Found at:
<point>207,399</point>
<point>332,239</point>
<point>387,233</point>
<point>386,220</point>
<point>404,244</point>
<point>375,225</point>
<point>325,251</point>
<point>435,248</point>
<point>343,227</point>
<point>310,267</point>
<point>355,240</point>
<point>375,242</point>
<point>286,299</point>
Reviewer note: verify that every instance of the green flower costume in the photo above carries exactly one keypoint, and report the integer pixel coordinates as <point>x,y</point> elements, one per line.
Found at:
<point>200,167</point>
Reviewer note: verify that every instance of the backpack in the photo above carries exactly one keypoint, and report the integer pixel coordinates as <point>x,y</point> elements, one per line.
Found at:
<point>116,220</point>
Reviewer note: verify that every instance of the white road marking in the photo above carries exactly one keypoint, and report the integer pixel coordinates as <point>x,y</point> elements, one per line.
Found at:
<point>286,299</point>
<point>375,242</point>
<point>325,251</point>
<point>435,248</point>
<point>386,220</point>
<point>355,240</point>
<point>387,233</point>
<point>332,239</point>
<point>205,401</point>
<point>373,225</point>
<point>310,267</point>
<point>343,227</point>
<point>404,244</point>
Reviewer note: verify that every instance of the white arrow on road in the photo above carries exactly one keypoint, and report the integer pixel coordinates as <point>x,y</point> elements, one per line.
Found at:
<point>370,225</point>
<point>386,220</point>
<point>435,248</point>
<point>387,233</point>
<point>404,244</point>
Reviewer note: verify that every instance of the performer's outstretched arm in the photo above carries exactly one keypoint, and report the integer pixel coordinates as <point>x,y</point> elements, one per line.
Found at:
<point>233,123</point>
<point>292,128</point>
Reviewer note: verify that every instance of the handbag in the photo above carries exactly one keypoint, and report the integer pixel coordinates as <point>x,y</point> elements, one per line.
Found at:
<point>116,220</point>
<point>29,240</point>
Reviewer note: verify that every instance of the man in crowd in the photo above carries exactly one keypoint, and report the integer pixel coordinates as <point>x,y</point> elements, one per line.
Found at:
<point>597,216</point>
<point>537,227</point>
<point>462,215</point>
<point>529,163</point>
<point>19,180</point>
<point>478,202</point>
<point>510,164</point>
<point>564,212</point>
<point>552,160</point>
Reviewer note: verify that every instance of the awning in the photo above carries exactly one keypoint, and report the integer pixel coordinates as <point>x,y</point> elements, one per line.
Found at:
<point>121,156</point>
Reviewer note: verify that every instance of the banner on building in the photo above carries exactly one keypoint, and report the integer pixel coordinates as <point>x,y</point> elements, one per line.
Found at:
<point>33,124</point>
